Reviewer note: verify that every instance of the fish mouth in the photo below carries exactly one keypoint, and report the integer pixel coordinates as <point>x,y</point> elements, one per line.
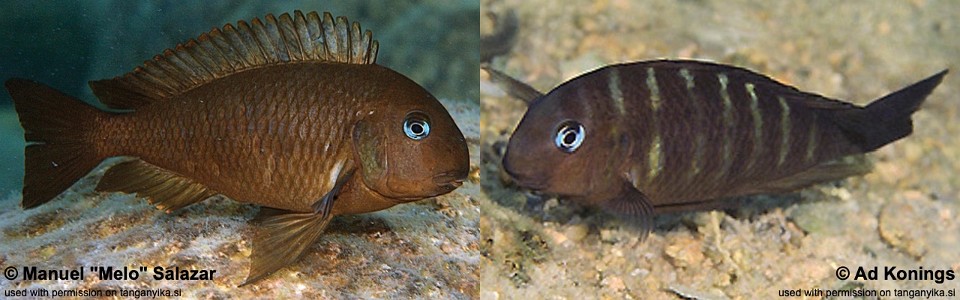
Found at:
<point>450,180</point>
<point>442,183</point>
<point>528,182</point>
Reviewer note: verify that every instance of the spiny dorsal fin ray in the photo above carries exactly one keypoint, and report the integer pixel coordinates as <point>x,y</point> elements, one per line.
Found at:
<point>739,75</point>
<point>221,52</point>
<point>515,88</point>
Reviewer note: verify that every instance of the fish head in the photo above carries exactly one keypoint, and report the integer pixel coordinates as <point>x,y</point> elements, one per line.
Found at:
<point>566,144</point>
<point>411,149</point>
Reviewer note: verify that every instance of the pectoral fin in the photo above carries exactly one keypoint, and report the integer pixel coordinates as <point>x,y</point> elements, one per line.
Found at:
<point>325,205</point>
<point>634,207</point>
<point>284,236</point>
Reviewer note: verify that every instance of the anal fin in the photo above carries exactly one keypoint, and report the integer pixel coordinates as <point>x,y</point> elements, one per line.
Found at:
<point>852,165</point>
<point>284,236</point>
<point>164,189</point>
<point>634,207</point>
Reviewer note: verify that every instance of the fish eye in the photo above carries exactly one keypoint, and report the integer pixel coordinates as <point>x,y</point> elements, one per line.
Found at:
<point>416,126</point>
<point>569,136</point>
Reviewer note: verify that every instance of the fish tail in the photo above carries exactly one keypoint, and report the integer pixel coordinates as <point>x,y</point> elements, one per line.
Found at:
<point>56,127</point>
<point>888,119</point>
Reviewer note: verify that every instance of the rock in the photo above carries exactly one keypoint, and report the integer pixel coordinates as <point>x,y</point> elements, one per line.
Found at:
<point>905,221</point>
<point>685,252</point>
<point>422,249</point>
<point>576,231</point>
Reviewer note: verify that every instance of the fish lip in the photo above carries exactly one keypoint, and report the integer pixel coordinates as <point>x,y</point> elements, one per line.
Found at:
<point>527,182</point>
<point>453,178</point>
<point>443,187</point>
<point>533,185</point>
<point>444,183</point>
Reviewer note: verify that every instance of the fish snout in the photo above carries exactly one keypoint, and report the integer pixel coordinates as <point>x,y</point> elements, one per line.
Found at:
<point>506,167</point>
<point>528,181</point>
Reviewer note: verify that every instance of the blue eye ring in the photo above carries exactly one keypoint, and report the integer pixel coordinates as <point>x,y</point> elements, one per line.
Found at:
<point>569,136</point>
<point>416,126</point>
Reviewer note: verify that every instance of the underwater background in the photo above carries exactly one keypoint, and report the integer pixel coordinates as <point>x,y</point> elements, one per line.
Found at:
<point>65,44</point>
<point>905,214</point>
<point>426,249</point>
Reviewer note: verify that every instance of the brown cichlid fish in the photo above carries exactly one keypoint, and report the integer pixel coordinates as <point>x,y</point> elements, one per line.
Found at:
<point>659,136</point>
<point>290,113</point>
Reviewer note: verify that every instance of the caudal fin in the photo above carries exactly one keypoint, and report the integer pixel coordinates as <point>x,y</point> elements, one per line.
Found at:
<point>56,127</point>
<point>888,119</point>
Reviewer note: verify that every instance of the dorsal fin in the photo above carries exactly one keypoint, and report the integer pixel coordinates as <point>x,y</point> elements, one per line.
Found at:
<point>221,52</point>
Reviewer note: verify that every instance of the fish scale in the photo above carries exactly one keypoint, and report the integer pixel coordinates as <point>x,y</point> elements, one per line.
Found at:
<point>261,131</point>
<point>289,113</point>
<point>735,132</point>
<point>665,135</point>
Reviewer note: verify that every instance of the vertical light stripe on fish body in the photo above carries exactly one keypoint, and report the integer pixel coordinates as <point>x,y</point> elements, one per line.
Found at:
<point>812,140</point>
<point>726,160</point>
<point>655,155</point>
<point>616,94</point>
<point>757,126</point>
<point>654,89</point>
<point>674,105</point>
<point>784,130</point>
<point>700,141</point>
<point>656,158</point>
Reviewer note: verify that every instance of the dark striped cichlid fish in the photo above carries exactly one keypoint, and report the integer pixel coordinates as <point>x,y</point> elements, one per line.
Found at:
<point>290,113</point>
<point>658,136</point>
